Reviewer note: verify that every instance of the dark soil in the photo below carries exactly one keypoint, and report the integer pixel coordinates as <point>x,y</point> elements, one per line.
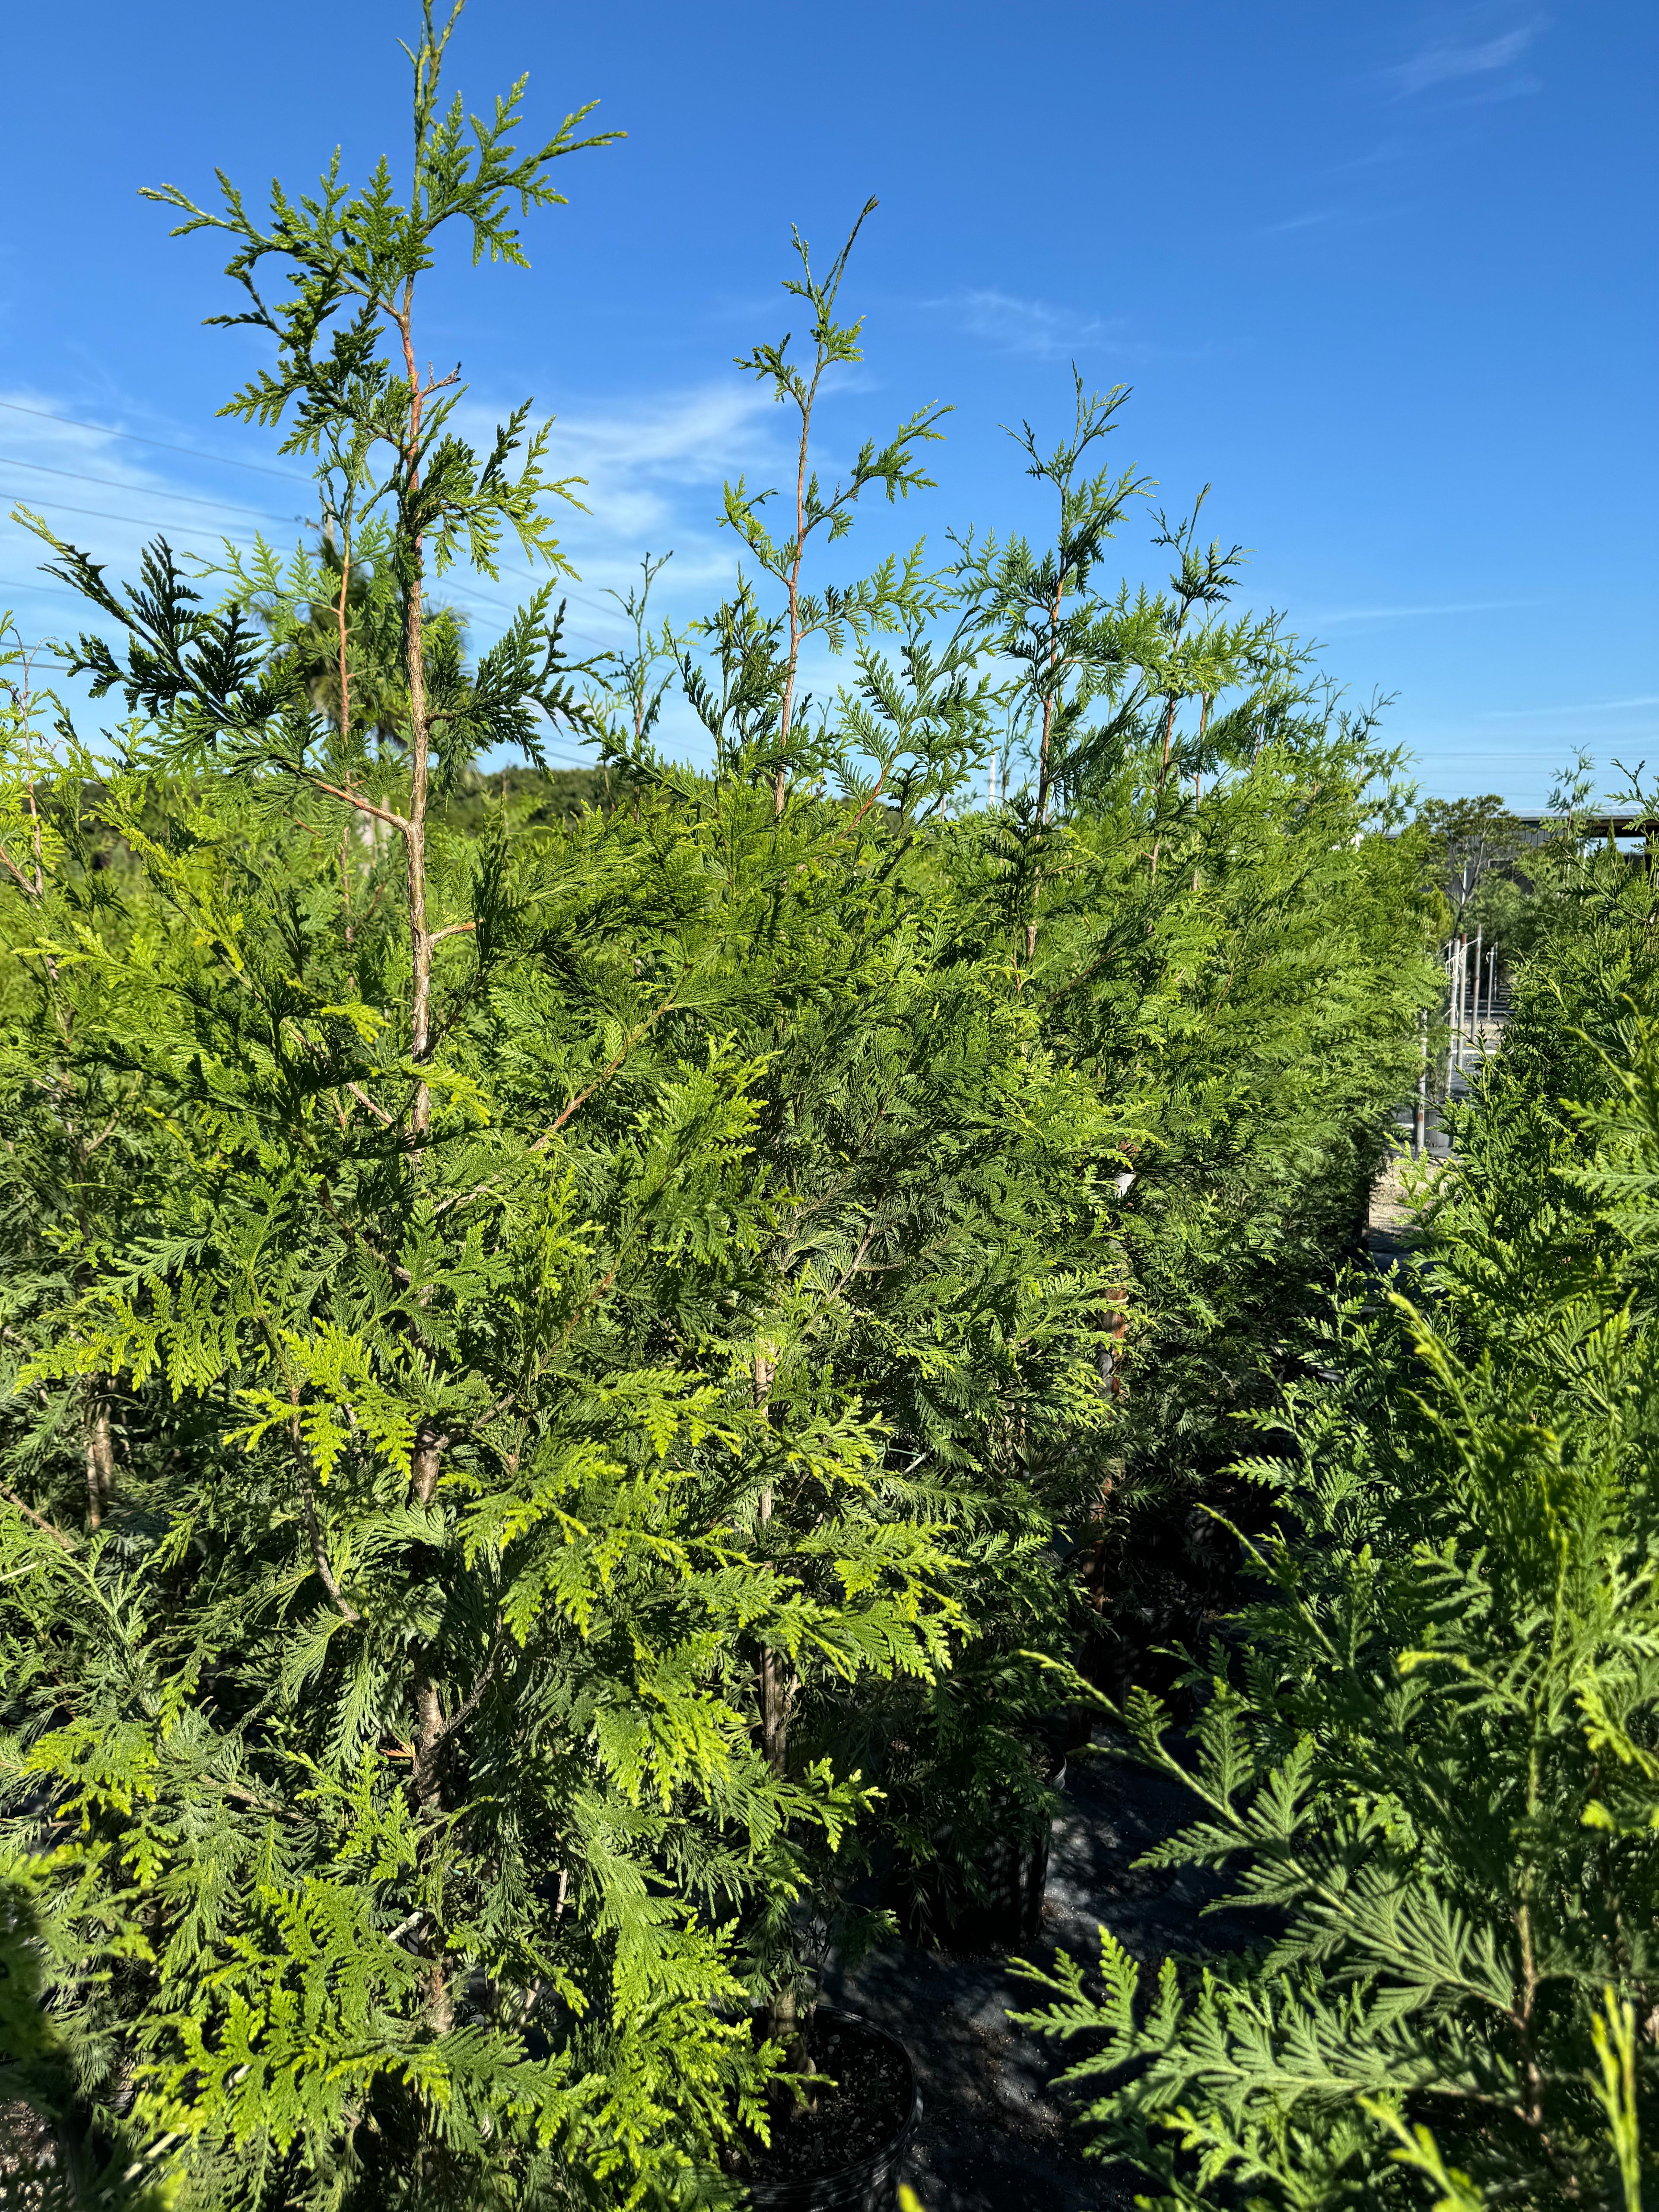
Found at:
<point>855,2119</point>
<point>997,2135</point>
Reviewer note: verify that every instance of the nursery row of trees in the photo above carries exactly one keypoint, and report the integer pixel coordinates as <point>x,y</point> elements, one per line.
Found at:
<point>565,1368</point>
<point>1428,1765</point>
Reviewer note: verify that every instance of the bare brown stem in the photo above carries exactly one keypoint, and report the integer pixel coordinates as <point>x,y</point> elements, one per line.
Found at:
<point>420,741</point>
<point>363,1099</point>
<point>101,1455</point>
<point>50,1528</point>
<point>785,718</point>
<point>345,673</point>
<point>393,821</point>
<point>1049,697</point>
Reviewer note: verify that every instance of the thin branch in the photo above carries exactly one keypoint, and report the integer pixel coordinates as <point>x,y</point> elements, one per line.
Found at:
<point>363,1099</point>
<point>862,811</point>
<point>29,1514</point>
<point>271,1806</point>
<point>347,1612</point>
<point>604,1076</point>
<point>479,1189</point>
<point>107,1130</point>
<point>469,1704</point>
<point>27,888</point>
<point>855,1263</point>
<point>350,1229</point>
<point>356,799</point>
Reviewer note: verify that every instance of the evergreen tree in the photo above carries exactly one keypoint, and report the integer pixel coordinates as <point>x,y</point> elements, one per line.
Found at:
<point>1195,875</point>
<point>556,1356</point>
<point>1429,1767</point>
<point>390,1694</point>
<point>919,1146</point>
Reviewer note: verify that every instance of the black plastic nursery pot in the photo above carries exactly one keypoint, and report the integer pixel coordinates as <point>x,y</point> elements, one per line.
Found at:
<point>869,2181</point>
<point>1011,1866</point>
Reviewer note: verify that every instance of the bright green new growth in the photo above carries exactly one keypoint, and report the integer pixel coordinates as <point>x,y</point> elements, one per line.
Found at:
<point>555,1368</point>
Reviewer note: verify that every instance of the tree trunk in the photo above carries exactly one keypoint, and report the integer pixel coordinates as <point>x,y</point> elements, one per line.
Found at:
<point>101,1455</point>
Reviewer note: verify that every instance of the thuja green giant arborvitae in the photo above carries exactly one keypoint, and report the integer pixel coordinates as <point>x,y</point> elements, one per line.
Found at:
<point>1432,1766</point>
<point>1192,874</point>
<point>401,1698</point>
<point>927,1258</point>
<point>573,1310</point>
<point>548,1360</point>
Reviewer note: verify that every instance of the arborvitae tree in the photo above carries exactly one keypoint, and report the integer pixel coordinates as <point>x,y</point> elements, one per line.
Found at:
<point>391,1697</point>
<point>1431,1761</point>
<point>918,1147</point>
<point>1193,874</point>
<point>585,1312</point>
<point>551,1352</point>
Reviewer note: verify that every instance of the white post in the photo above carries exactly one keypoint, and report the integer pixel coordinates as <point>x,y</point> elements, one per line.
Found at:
<point>1421,1114</point>
<point>1459,946</point>
<point>1474,1024</point>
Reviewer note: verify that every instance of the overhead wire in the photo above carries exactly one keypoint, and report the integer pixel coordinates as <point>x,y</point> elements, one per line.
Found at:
<point>568,756</point>
<point>198,499</point>
<point>163,445</point>
<point>148,491</point>
<point>104,514</point>
<point>440,586</point>
<point>135,521</point>
<point>222,460</point>
<point>260,514</point>
<point>612,613</point>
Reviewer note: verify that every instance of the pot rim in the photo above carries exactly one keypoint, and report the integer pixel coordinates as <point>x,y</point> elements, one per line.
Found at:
<point>763,2194</point>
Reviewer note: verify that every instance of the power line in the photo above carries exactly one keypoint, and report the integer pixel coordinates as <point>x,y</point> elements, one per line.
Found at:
<point>103,514</point>
<point>148,491</point>
<point>223,461</point>
<point>440,586</point>
<point>436,584</point>
<point>163,444</point>
<point>611,613</point>
<point>549,745</point>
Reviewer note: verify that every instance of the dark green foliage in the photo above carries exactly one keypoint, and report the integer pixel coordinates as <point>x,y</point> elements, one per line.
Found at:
<point>1197,884</point>
<point>1433,1769</point>
<point>565,1334</point>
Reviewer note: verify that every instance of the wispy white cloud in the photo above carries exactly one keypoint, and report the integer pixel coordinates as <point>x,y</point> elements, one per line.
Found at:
<point>111,489</point>
<point>1582,706</point>
<point>1333,218</point>
<point>1488,65</point>
<point>1037,328</point>
<point>653,467</point>
<point>1389,155</point>
<point>1317,221</point>
<point>1336,616</point>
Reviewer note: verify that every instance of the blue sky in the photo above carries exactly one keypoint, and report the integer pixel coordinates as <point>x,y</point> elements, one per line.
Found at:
<point>1383,275</point>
